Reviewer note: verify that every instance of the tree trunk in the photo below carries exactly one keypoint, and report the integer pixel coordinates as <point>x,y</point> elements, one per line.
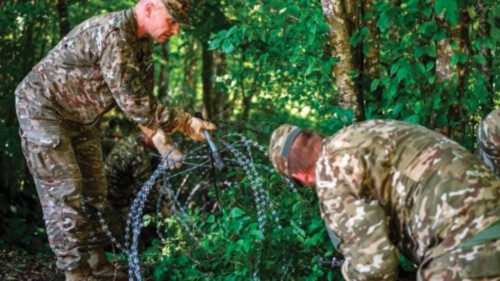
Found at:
<point>339,46</point>
<point>62,12</point>
<point>206,77</point>
<point>371,58</point>
<point>484,31</point>
<point>220,96</point>
<point>162,81</point>
<point>247,95</point>
<point>28,47</point>
<point>189,82</point>
<point>451,74</point>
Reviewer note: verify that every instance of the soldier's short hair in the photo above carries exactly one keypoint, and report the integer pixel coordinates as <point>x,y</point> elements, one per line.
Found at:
<point>299,159</point>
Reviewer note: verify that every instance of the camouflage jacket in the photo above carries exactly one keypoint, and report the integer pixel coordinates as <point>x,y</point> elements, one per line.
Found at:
<point>97,65</point>
<point>387,187</point>
<point>488,139</point>
<point>127,167</point>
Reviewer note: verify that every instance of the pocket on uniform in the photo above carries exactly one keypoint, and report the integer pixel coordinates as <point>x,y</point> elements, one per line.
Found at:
<point>43,153</point>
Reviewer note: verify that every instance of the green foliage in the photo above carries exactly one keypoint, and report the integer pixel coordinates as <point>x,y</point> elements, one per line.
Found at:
<point>279,57</point>
<point>230,245</point>
<point>407,87</point>
<point>276,69</point>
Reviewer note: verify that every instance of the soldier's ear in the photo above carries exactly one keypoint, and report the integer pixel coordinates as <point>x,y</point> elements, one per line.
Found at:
<point>149,9</point>
<point>305,178</point>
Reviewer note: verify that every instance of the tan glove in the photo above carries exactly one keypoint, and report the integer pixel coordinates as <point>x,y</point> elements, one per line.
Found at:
<point>192,127</point>
<point>163,144</point>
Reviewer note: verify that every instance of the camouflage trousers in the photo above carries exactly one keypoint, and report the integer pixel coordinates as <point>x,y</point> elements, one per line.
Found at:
<point>480,262</point>
<point>66,162</point>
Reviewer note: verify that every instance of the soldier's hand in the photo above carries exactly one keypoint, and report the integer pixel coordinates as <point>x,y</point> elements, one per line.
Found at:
<point>194,127</point>
<point>163,144</point>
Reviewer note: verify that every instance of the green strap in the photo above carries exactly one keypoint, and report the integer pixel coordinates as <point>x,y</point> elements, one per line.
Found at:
<point>490,233</point>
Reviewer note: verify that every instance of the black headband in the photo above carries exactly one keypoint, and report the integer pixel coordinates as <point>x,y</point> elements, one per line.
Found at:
<point>289,141</point>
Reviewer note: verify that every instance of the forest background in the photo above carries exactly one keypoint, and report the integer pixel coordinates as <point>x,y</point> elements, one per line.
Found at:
<point>252,65</point>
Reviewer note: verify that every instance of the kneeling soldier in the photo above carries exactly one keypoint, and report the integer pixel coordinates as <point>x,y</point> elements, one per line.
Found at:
<point>388,187</point>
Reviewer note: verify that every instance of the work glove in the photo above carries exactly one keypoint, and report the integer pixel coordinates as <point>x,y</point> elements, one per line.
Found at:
<point>165,147</point>
<point>191,127</point>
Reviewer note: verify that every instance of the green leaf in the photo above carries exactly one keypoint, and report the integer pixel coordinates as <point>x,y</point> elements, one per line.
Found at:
<point>394,68</point>
<point>296,207</point>
<point>402,73</point>
<point>214,44</point>
<point>429,66</point>
<point>431,79</point>
<point>427,11</point>
<point>421,68</point>
<point>418,107</point>
<point>450,10</point>
<point>211,219</point>
<point>436,102</point>
<point>418,52</point>
<point>383,23</point>
<point>412,119</point>
<point>353,73</point>
<point>245,244</point>
<point>454,60</point>
<point>429,27</point>
<point>359,36</point>
<point>479,59</point>
<point>227,46</point>
<point>431,51</point>
<point>237,212</point>
<point>258,235</point>
<point>374,84</point>
<point>393,88</point>
<point>314,239</point>
<point>397,108</point>
<point>223,34</point>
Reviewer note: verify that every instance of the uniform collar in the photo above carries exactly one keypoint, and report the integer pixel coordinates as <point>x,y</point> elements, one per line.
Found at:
<point>131,28</point>
<point>130,22</point>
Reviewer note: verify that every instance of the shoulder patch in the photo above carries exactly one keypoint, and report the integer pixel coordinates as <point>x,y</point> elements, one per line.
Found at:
<point>136,85</point>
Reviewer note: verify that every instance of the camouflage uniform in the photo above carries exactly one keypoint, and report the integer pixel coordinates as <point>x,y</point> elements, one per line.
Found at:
<point>388,187</point>
<point>488,139</point>
<point>128,167</point>
<point>99,64</point>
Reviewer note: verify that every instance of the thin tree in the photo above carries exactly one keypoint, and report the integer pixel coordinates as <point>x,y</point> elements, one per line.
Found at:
<point>335,12</point>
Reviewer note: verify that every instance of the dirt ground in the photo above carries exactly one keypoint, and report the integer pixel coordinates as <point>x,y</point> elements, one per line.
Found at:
<point>21,266</point>
<point>18,265</point>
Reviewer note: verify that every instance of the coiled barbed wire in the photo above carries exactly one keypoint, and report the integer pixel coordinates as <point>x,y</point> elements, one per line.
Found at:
<point>243,158</point>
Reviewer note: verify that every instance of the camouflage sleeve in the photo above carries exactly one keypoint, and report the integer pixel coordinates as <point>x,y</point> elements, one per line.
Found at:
<point>147,67</point>
<point>127,83</point>
<point>142,168</point>
<point>355,217</point>
<point>119,184</point>
<point>488,138</point>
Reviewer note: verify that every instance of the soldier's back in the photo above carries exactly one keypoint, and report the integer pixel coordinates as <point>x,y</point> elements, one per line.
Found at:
<point>70,80</point>
<point>434,190</point>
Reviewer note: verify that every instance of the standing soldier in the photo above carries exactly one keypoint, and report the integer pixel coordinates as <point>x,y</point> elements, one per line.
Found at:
<point>388,187</point>
<point>103,62</point>
<point>488,139</point>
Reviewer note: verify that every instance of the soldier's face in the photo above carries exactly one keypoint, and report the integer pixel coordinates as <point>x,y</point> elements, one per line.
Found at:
<point>161,25</point>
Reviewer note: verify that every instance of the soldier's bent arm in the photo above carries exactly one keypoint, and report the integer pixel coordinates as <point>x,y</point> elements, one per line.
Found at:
<point>355,217</point>
<point>127,83</point>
